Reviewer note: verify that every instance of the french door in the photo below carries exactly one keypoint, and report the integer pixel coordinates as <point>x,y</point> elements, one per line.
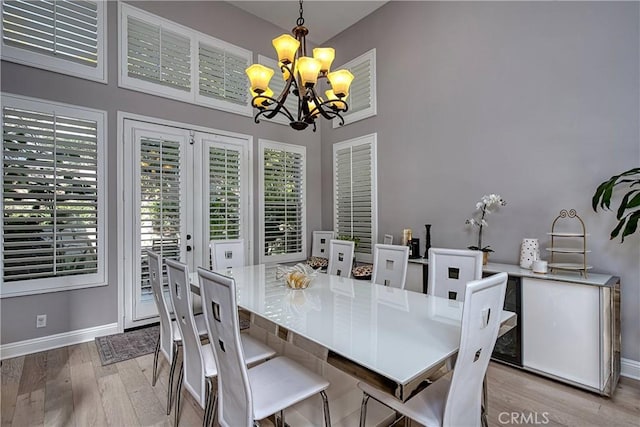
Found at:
<point>182,188</point>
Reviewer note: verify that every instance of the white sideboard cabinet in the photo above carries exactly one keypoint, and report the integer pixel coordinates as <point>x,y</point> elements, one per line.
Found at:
<point>570,326</point>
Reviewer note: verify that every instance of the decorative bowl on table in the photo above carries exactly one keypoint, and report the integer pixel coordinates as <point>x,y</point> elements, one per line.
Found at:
<point>362,272</point>
<point>317,262</point>
<point>297,277</point>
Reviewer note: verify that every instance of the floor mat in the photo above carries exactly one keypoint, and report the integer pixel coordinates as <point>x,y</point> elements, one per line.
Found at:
<point>128,345</point>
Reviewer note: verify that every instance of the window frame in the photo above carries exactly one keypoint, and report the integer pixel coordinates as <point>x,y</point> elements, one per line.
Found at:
<point>297,149</point>
<point>371,111</point>
<point>81,281</point>
<point>370,139</point>
<point>193,96</point>
<point>59,65</point>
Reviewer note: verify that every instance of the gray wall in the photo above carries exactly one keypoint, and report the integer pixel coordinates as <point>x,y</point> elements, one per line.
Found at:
<point>538,102</point>
<point>73,310</point>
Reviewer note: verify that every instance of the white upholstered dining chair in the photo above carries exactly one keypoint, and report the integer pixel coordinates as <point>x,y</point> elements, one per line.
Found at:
<point>340,257</point>
<point>198,365</point>
<point>456,401</point>
<point>169,339</point>
<point>390,265</point>
<point>226,253</point>
<point>450,270</point>
<point>247,395</point>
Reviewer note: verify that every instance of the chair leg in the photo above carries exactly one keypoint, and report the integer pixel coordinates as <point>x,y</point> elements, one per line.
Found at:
<point>484,406</point>
<point>172,371</point>
<point>155,362</point>
<point>211,400</point>
<point>363,409</point>
<point>325,407</point>
<point>282,424</point>
<point>178,396</point>
<point>207,396</point>
<point>214,409</point>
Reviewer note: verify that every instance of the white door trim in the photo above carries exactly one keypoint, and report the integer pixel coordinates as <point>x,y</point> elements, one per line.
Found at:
<point>120,191</point>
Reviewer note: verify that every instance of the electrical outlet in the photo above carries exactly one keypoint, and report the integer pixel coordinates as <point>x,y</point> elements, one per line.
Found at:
<point>41,320</point>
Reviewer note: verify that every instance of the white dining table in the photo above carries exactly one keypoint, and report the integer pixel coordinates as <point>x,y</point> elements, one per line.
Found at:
<point>395,333</point>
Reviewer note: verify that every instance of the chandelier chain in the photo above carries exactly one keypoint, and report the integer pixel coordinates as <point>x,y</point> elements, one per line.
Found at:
<point>300,20</point>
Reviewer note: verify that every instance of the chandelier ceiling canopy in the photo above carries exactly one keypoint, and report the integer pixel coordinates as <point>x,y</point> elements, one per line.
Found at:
<point>303,83</point>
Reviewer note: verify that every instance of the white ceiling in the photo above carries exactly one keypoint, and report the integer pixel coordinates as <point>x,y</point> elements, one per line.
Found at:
<point>323,18</point>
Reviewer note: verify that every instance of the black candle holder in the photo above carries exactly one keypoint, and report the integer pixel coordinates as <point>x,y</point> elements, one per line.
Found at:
<point>427,240</point>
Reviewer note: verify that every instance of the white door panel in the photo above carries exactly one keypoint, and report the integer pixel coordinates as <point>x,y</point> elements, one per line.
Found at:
<point>156,201</point>
<point>181,189</point>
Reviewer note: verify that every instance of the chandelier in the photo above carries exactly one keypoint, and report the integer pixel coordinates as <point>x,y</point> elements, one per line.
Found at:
<point>302,75</point>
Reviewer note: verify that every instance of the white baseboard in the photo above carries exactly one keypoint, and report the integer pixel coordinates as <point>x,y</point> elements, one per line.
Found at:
<point>630,368</point>
<point>35,345</point>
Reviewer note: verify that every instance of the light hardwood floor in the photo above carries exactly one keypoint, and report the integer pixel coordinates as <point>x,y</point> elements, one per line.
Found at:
<point>70,387</point>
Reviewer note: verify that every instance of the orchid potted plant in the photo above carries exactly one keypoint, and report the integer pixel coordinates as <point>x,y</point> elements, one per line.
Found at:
<point>484,207</point>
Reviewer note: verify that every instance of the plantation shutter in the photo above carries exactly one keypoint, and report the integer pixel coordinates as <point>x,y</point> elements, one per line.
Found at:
<point>62,28</point>
<point>50,195</point>
<point>160,211</point>
<point>224,193</point>
<point>283,194</point>
<point>158,55</point>
<point>362,93</point>
<point>222,75</point>
<point>354,194</point>
<point>277,85</point>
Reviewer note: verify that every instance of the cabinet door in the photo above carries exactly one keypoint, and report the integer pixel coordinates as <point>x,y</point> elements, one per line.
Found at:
<point>561,330</point>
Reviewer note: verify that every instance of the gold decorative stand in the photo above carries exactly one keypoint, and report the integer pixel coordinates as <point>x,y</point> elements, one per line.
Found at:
<point>561,234</point>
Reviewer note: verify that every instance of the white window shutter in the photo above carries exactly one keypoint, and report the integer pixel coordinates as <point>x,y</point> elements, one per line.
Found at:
<point>52,198</point>
<point>225,183</point>
<point>362,93</point>
<point>62,36</point>
<point>354,192</point>
<point>221,74</point>
<point>283,202</point>
<point>160,202</point>
<point>158,55</point>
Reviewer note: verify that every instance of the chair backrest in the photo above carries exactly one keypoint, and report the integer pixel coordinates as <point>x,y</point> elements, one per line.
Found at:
<point>388,239</point>
<point>390,265</point>
<point>155,278</point>
<point>451,269</point>
<point>180,291</point>
<point>481,315</point>
<point>226,253</point>
<point>340,257</point>
<point>235,407</point>
<point>320,244</point>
